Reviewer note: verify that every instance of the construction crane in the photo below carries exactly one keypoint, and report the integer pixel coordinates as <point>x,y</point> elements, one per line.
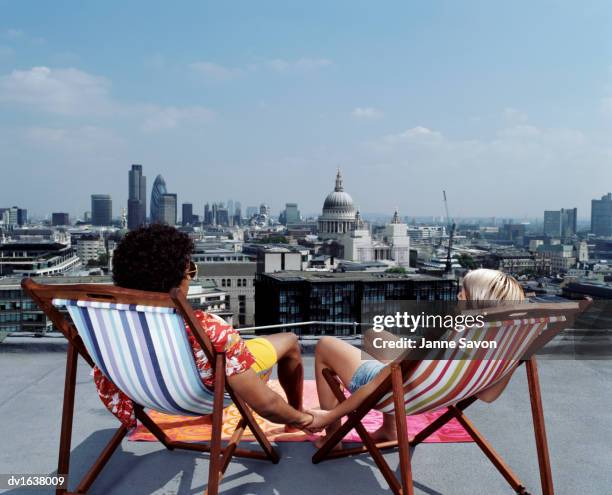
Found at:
<point>451,227</point>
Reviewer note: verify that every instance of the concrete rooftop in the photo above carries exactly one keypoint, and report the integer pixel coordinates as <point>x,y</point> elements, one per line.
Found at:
<point>577,399</point>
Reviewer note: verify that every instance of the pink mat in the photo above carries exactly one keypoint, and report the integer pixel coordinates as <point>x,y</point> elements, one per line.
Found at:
<point>198,429</point>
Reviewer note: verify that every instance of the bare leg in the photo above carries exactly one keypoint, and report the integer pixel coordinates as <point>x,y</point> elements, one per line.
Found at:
<point>343,359</point>
<point>290,367</point>
<point>387,431</point>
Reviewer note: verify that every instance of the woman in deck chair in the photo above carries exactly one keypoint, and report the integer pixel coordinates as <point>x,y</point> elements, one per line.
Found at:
<point>158,258</point>
<point>362,377</point>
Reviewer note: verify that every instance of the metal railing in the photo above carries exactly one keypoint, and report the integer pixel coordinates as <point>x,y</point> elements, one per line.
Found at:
<point>246,331</point>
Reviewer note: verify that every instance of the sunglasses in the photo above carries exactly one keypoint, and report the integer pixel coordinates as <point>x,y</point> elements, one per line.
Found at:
<point>192,273</point>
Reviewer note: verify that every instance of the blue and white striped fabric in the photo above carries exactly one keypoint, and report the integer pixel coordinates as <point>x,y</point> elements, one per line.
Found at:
<point>145,352</point>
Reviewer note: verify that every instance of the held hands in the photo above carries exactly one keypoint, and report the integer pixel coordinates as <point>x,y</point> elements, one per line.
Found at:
<point>313,421</point>
<point>320,419</point>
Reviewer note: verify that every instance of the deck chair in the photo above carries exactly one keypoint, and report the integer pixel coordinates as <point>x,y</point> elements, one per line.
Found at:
<point>138,340</point>
<point>419,386</point>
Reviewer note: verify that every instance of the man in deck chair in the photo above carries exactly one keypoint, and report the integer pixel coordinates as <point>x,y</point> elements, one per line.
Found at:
<point>361,377</point>
<point>158,258</point>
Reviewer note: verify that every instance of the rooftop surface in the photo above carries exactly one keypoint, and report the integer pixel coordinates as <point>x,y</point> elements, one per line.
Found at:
<point>577,398</point>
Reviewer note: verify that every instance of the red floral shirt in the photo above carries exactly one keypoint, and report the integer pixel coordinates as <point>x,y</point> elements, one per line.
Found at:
<point>223,337</point>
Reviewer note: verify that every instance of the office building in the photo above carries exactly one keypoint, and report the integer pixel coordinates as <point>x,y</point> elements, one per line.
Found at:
<point>238,282</point>
<point>137,197</point>
<point>569,221</point>
<point>58,218</point>
<point>101,209</point>
<point>157,191</point>
<point>187,214</point>
<point>237,218</point>
<point>339,297</point>
<point>208,216</point>
<point>19,314</point>
<point>601,216</point>
<point>513,261</point>
<point>291,215</point>
<point>426,233</point>
<point>13,216</point>
<point>220,215</point>
<point>514,232</point>
<point>35,257</point>
<point>560,223</point>
<point>552,223</point>
<point>89,247</point>
<point>554,259</point>
<point>22,217</point>
<point>167,209</point>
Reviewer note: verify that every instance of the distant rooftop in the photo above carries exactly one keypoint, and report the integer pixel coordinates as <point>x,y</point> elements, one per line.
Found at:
<point>233,268</point>
<point>349,276</point>
<point>6,282</point>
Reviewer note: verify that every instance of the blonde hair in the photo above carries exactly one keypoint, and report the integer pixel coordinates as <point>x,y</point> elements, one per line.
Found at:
<point>491,285</point>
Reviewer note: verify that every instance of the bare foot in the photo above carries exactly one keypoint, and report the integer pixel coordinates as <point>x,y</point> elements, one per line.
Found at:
<point>384,434</point>
<point>320,441</point>
<point>291,429</point>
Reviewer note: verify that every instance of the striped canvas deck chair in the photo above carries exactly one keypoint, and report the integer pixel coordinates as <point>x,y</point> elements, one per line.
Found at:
<point>138,340</point>
<point>414,387</point>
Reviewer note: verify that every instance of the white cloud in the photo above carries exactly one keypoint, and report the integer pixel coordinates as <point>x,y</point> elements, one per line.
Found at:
<point>606,105</point>
<point>156,61</point>
<point>14,34</point>
<point>77,94</point>
<point>170,117</point>
<point>60,91</point>
<point>514,116</point>
<point>367,113</point>
<point>416,134</point>
<point>84,138</point>
<point>304,64</point>
<point>214,71</point>
<point>18,35</point>
<point>217,72</point>
<point>522,168</point>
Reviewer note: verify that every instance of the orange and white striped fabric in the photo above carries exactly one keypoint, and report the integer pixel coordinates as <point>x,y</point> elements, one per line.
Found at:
<point>440,383</point>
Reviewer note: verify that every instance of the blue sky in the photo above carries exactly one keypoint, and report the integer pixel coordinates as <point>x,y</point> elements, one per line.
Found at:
<point>506,105</point>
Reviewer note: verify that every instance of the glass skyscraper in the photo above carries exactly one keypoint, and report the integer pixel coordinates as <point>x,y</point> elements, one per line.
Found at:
<point>601,216</point>
<point>187,216</point>
<point>158,190</point>
<point>137,197</point>
<point>167,209</point>
<point>101,209</point>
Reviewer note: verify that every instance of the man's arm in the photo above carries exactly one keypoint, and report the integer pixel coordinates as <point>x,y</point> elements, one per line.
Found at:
<point>265,402</point>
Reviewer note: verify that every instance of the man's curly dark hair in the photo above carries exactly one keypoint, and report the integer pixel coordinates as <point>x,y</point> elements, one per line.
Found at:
<point>152,258</point>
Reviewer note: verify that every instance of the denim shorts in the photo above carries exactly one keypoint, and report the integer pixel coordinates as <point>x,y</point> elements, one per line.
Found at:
<point>366,372</point>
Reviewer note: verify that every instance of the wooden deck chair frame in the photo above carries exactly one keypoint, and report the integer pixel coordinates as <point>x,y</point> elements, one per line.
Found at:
<point>400,369</point>
<point>220,456</point>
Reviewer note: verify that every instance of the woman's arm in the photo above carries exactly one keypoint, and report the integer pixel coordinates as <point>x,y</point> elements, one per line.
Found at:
<point>323,418</point>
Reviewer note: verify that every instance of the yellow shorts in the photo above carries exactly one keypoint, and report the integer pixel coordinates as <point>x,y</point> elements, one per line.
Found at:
<point>265,356</point>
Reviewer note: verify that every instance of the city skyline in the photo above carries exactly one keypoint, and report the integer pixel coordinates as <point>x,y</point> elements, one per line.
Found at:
<point>158,191</point>
<point>501,109</point>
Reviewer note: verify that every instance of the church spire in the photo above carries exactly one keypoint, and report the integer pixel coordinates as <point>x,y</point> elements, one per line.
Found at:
<point>339,186</point>
<point>358,221</point>
<point>396,218</point>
